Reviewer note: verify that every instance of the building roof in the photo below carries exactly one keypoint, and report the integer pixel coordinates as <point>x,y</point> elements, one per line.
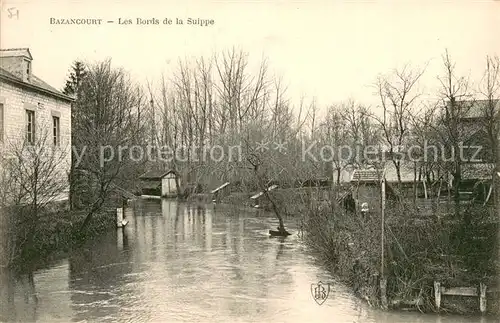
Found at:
<point>477,108</point>
<point>155,174</point>
<point>477,171</point>
<point>470,171</point>
<point>372,175</point>
<point>35,83</point>
<point>9,52</point>
<point>366,175</point>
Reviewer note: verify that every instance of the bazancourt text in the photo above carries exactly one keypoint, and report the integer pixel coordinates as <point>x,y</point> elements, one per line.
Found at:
<point>73,21</point>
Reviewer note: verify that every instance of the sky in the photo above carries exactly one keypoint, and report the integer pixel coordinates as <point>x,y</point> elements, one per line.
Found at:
<point>327,50</point>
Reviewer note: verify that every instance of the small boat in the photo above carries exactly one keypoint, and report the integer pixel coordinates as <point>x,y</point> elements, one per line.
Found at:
<point>275,233</point>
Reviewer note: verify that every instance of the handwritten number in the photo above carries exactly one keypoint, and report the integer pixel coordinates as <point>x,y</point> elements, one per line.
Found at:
<point>13,12</point>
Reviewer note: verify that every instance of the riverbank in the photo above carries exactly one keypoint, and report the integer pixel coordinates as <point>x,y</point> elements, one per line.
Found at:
<point>57,231</point>
<point>417,254</point>
<point>217,264</point>
<point>418,251</point>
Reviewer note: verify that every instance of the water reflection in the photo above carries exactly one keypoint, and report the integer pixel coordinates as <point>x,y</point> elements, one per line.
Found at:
<point>18,289</point>
<point>182,263</point>
<point>26,297</point>
<point>96,274</point>
<point>281,246</point>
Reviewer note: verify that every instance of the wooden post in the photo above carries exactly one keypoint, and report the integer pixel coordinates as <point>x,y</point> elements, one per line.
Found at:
<point>383,292</point>
<point>437,294</point>
<point>383,280</point>
<point>382,226</point>
<point>482,298</point>
<point>119,217</point>
<point>119,239</point>
<point>425,188</point>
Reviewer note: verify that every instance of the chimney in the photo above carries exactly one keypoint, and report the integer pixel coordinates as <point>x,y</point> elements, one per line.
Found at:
<point>17,61</point>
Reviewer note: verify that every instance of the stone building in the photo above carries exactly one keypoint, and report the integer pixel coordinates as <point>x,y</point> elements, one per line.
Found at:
<point>30,109</point>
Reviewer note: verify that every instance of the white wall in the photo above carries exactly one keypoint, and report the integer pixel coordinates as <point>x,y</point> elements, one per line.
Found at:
<point>168,186</point>
<point>15,100</point>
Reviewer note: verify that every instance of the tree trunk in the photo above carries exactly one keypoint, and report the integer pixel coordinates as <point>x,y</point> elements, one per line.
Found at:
<point>276,211</point>
<point>415,183</point>
<point>456,192</point>
<point>263,187</point>
<point>97,205</point>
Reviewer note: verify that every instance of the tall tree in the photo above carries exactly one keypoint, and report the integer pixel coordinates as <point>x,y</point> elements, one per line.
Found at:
<point>490,112</point>
<point>361,131</point>
<point>457,101</point>
<point>397,93</point>
<point>75,78</point>
<point>72,88</point>
<point>106,125</point>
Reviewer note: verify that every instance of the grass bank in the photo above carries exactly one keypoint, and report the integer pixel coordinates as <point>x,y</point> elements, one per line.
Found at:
<point>54,233</point>
<point>417,252</point>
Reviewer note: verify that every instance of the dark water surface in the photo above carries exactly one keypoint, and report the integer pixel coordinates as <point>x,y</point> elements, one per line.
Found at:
<point>187,263</point>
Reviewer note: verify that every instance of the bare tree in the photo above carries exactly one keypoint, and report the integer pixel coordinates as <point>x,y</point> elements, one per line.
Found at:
<point>490,116</point>
<point>35,176</point>
<point>107,123</point>
<point>456,100</point>
<point>313,119</point>
<point>361,131</point>
<point>223,102</point>
<point>424,134</point>
<point>281,114</point>
<point>397,93</point>
<point>333,130</point>
<point>239,92</point>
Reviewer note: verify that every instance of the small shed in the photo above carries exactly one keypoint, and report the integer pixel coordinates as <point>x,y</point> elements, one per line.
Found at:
<point>366,185</point>
<point>159,183</point>
<point>476,181</point>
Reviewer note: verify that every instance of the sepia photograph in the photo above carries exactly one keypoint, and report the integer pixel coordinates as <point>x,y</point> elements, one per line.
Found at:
<point>208,161</point>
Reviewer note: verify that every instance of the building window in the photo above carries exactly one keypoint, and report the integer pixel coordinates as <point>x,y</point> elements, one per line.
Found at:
<point>30,126</point>
<point>28,70</point>
<point>56,131</point>
<point>1,122</point>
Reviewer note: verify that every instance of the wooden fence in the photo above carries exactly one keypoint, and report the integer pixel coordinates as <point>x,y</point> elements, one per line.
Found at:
<point>479,292</point>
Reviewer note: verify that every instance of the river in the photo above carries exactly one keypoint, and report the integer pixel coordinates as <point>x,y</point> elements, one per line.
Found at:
<point>177,262</point>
